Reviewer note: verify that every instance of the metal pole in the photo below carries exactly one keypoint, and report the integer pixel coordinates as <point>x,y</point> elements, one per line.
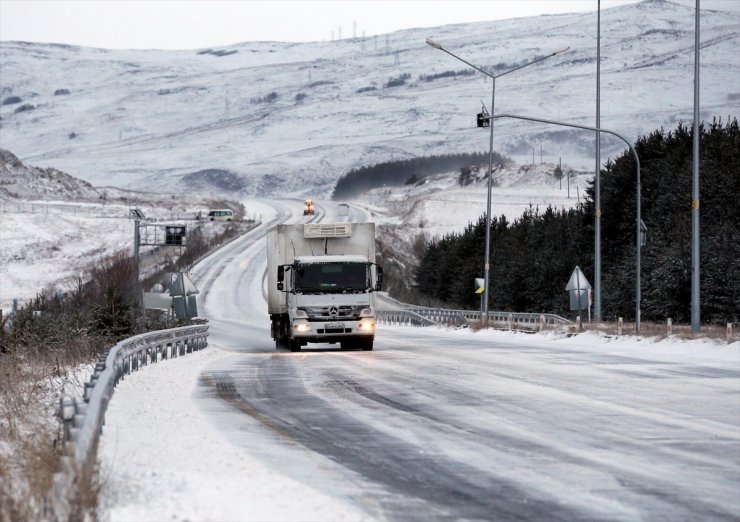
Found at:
<point>639,193</point>
<point>597,181</point>
<point>638,244</point>
<point>487,263</point>
<point>695,309</point>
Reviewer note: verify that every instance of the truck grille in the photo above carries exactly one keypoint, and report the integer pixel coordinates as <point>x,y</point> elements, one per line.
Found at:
<point>333,313</point>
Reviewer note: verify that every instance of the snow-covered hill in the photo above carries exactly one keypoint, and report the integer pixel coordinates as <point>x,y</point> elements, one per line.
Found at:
<point>440,204</point>
<point>53,225</point>
<point>20,182</point>
<point>293,117</point>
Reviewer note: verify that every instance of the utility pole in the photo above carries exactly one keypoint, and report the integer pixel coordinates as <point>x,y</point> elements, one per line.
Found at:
<point>695,281</point>
<point>597,177</point>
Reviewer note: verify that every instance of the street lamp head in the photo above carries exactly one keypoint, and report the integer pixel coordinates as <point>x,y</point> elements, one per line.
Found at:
<point>434,44</point>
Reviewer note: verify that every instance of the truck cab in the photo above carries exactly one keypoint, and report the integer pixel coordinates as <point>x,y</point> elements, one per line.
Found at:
<point>330,299</point>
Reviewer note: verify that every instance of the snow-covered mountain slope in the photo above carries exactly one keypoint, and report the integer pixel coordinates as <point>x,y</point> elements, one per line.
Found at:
<point>293,117</point>
<point>18,181</point>
<point>440,204</point>
<point>53,225</point>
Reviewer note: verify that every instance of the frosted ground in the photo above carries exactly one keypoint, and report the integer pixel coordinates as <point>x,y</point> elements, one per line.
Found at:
<point>212,485</point>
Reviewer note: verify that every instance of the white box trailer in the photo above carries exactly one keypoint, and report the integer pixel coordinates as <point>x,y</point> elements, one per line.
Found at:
<point>321,279</point>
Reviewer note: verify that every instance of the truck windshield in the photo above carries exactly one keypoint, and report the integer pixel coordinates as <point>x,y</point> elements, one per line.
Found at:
<point>332,277</point>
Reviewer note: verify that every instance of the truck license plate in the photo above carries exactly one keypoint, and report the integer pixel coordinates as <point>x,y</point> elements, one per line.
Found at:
<point>334,325</point>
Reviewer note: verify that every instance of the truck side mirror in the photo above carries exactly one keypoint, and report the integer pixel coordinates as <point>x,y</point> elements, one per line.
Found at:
<point>281,275</point>
<point>378,278</point>
<point>280,286</point>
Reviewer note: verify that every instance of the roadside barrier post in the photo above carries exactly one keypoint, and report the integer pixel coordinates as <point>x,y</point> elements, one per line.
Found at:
<point>620,326</point>
<point>669,326</point>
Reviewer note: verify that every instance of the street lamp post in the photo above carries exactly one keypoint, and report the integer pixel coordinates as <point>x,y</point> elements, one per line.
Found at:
<point>695,260</point>
<point>641,229</point>
<point>487,262</point>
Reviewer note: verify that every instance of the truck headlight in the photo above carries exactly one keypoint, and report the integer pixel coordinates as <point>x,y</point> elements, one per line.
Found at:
<point>302,327</point>
<point>366,312</point>
<point>301,314</point>
<point>367,326</point>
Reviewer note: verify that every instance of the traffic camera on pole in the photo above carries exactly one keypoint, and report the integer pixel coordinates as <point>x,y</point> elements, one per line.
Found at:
<point>484,119</point>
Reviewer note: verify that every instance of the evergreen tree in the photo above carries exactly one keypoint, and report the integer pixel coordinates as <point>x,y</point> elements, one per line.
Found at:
<point>532,258</point>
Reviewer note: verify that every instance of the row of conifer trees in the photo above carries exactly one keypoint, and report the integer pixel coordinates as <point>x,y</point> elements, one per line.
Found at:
<point>532,258</point>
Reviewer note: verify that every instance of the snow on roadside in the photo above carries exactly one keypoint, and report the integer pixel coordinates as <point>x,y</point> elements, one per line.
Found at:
<point>675,349</point>
<point>42,250</point>
<point>207,469</point>
<point>200,462</point>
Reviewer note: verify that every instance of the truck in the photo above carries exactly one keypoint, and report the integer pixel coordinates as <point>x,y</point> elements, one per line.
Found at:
<point>308,207</point>
<point>321,284</point>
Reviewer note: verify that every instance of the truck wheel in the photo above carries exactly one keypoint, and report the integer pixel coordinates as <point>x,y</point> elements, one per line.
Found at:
<point>294,345</point>
<point>367,344</point>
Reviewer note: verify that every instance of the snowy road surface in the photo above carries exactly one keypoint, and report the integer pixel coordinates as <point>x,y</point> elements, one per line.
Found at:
<point>434,424</point>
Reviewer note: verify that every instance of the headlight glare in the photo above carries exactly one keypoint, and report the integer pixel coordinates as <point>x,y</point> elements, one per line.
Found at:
<point>302,327</point>
<point>367,326</point>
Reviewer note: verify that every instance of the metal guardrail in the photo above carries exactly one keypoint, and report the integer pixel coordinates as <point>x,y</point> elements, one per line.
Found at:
<point>458,317</point>
<point>424,316</point>
<point>83,419</point>
<point>402,318</point>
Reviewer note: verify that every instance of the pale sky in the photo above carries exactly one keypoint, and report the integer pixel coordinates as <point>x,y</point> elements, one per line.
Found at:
<point>191,24</point>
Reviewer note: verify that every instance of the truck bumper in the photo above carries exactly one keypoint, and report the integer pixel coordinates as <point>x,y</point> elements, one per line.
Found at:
<point>327,332</point>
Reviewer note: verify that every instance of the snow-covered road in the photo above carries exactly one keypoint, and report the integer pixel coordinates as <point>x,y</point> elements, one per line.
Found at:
<point>434,424</point>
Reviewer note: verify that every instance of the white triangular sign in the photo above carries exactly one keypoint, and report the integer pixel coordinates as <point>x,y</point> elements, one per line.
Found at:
<point>577,281</point>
